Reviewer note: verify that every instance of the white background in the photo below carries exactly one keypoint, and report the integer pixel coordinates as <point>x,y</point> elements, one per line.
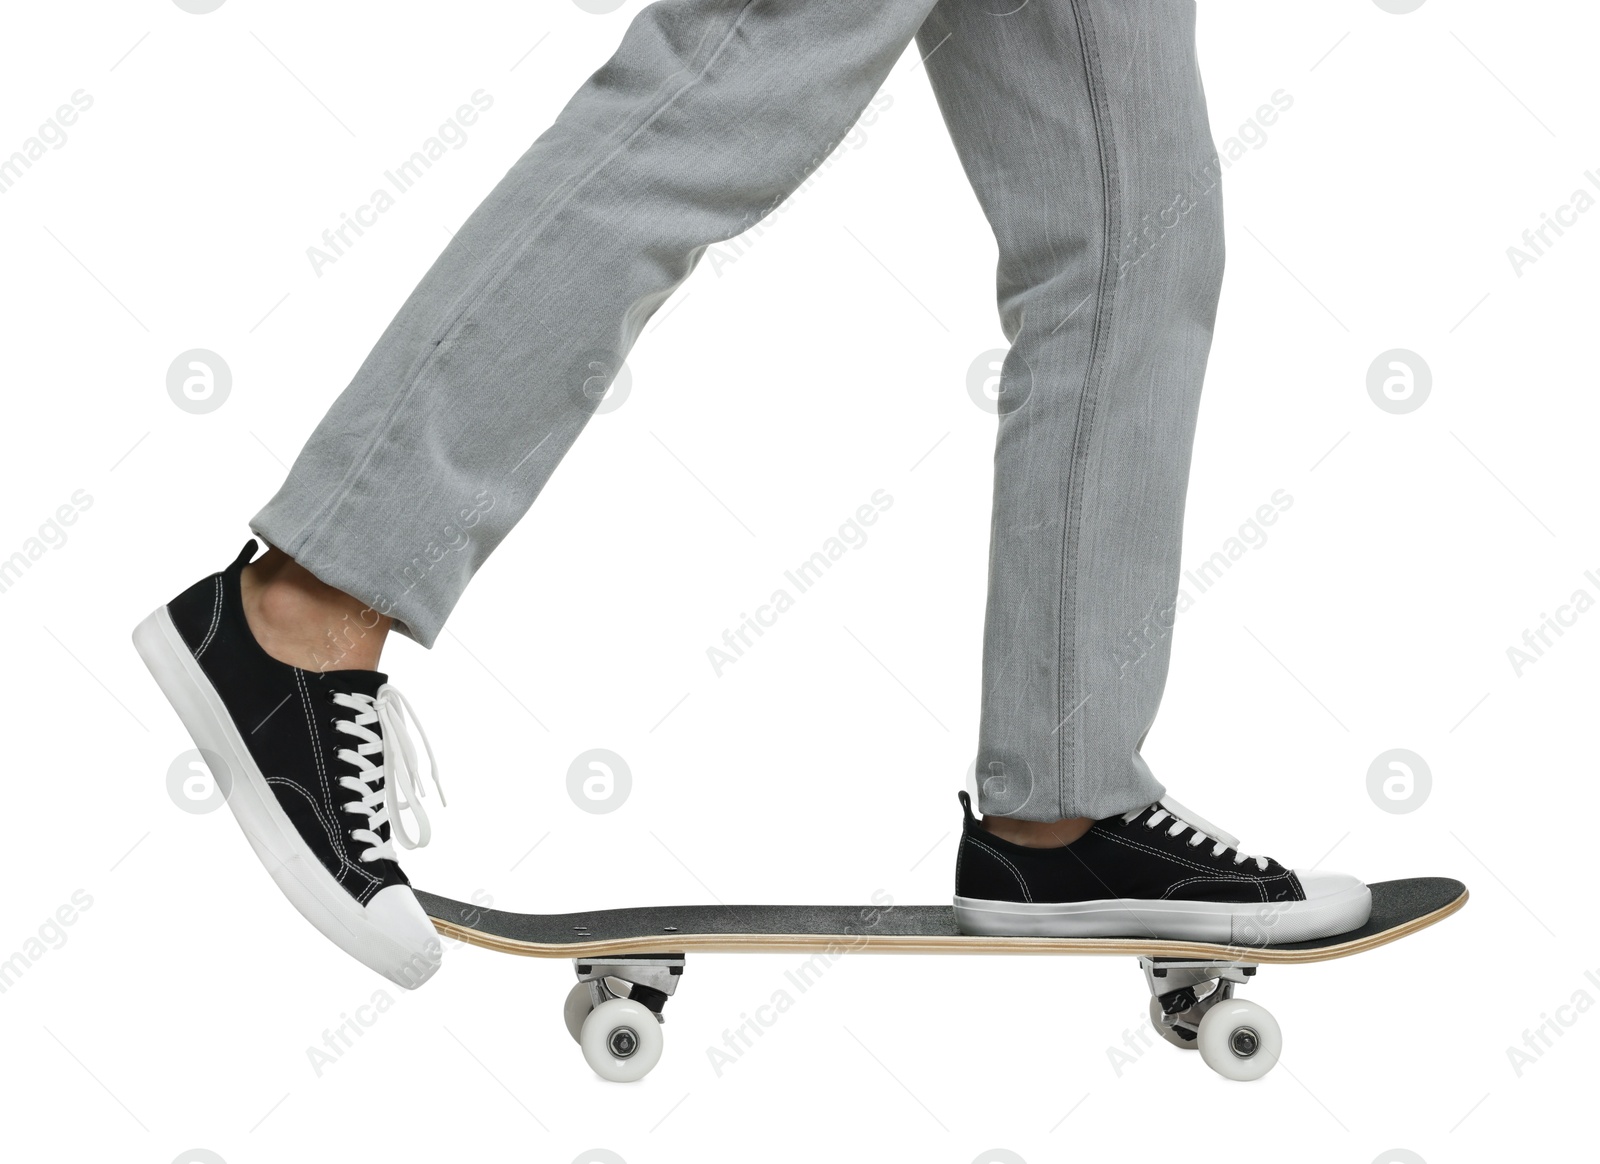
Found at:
<point>827,362</point>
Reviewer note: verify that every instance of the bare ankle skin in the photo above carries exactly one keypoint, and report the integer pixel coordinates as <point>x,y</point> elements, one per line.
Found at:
<point>1035,834</point>
<point>300,620</point>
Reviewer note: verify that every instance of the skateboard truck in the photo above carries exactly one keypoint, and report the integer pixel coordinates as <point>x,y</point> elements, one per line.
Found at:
<point>1192,1006</point>
<point>614,1012</point>
<point>646,978</point>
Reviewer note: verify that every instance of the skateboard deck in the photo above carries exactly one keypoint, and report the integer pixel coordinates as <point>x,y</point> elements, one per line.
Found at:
<point>1398,908</point>
<point>629,961</point>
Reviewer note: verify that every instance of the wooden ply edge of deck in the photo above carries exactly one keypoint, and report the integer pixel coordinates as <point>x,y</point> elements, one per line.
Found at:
<point>932,944</point>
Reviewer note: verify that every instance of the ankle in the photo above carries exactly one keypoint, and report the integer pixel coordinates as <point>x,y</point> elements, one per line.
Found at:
<point>1035,834</point>
<point>300,620</point>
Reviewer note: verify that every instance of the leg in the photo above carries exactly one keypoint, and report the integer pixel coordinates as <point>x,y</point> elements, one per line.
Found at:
<point>300,620</point>
<point>1082,126</point>
<point>709,115</point>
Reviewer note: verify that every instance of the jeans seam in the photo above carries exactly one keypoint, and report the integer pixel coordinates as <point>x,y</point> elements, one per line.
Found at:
<point>1083,428</point>
<point>493,275</point>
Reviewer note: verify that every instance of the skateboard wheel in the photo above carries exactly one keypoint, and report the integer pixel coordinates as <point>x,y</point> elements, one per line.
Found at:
<point>1167,1032</point>
<point>621,1039</point>
<point>1239,1040</point>
<point>576,1009</point>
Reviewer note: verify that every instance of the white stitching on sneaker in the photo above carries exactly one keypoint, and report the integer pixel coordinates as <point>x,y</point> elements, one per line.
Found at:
<point>329,828</point>
<point>1222,879</point>
<point>216,619</point>
<point>331,821</point>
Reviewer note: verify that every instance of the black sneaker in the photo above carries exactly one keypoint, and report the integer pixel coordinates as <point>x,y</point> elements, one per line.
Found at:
<point>315,766</point>
<point>1156,872</point>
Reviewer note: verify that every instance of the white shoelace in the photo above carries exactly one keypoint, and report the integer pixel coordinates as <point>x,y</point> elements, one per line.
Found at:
<point>383,791</point>
<point>1204,830</point>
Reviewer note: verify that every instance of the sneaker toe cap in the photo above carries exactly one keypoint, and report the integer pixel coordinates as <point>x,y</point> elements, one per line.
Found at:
<point>1340,901</point>
<point>415,951</point>
<point>1322,883</point>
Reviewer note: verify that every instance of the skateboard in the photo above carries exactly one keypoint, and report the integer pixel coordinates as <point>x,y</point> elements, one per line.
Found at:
<point>630,961</point>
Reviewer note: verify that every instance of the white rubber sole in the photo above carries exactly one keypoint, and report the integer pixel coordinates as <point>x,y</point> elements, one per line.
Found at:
<point>391,933</point>
<point>1230,923</point>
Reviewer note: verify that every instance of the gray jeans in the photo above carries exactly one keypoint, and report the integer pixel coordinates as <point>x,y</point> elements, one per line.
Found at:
<point>1082,127</point>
